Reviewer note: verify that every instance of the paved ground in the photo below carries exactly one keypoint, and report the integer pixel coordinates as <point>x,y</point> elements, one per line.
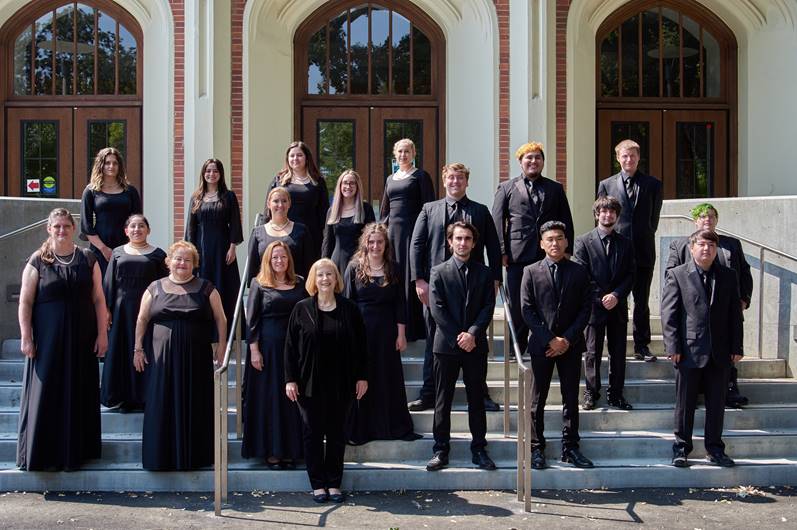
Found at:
<point>602,509</point>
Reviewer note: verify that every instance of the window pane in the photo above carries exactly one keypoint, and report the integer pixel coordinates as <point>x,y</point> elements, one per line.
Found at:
<point>22,63</point>
<point>359,50</point>
<point>630,29</point>
<point>691,55</point>
<point>671,42</point>
<point>40,156</point>
<point>65,49</point>
<point>401,54</point>
<point>85,49</point>
<point>650,54</point>
<point>44,54</point>
<point>380,35</point>
<point>128,56</point>
<point>395,130</point>
<point>711,57</point>
<point>317,62</point>
<point>106,52</point>
<point>421,63</point>
<point>335,149</point>
<point>638,131</point>
<point>695,160</point>
<point>338,63</point>
<point>609,65</point>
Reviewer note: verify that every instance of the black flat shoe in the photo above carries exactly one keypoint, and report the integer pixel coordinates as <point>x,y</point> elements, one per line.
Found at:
<point>720,459</point>
<point>538,459</point>
<point>273,465</point>
<point>574,456</point>
<point>620,403</point>
<point>287,464</point>
<point>419,405</point>
<point>483,460</point>
<point>490,405</point>
<point>411,437</point>
<point>337,497</point>
<point>321,498</point>
<point>643,354</point>
<point>679,459</point>
<point>437,462</point>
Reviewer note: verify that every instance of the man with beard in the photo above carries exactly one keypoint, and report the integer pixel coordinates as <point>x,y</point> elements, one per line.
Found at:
<point>609,259</point>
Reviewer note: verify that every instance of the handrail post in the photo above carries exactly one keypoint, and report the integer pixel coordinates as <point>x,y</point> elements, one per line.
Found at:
<point>238,374</point>
<point>761,264</point>
<point>506,378</point>
<point>491,337</point>
<point>521,441</point>
<point>527,435</point>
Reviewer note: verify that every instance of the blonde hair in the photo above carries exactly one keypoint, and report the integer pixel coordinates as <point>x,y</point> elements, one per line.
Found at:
<point>625,145</point>
<point>309,284</point>
<point>95,181</point>
<point>46,250</point>
<point>335,209</point>
<point>286,174</point>
<point>266,276</point>
<point>360,259</point>
<point>182,245</point>
<point>404,141</point>
<point>278,189</point>
<point>529,147</point>
<point>456,167</point>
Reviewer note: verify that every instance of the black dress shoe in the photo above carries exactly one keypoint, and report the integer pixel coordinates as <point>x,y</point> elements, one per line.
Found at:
<point>589,400</point>
<point>574,456</point>
<point>437,462</point>
<point>419,405</point>
<point>721,459</point>
<point>620,403</point>
<point>643,354</point>
<point>321,498</point>
<point>538,459</point>
<point>483,460</point>
<point>337,497</point>
<point>679,458</point>
<point>490,405</point>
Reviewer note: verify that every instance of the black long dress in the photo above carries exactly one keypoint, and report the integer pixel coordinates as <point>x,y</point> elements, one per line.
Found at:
<point>59,413</point>
<point>178,415</point>
<point>104,215</point>
<point>298,241</point>
<point>126,279</point>
<point>401,205</point>
<point>341,239</point>
<point>212,228</point>
<point>382,413</point>
<point>272,425</point>
<point>309,205</point>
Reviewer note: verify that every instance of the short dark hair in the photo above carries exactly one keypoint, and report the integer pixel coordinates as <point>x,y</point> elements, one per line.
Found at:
<point>608,202</point>
<point>553,225</point>
<point>462,224</point>
<point>708,235</point>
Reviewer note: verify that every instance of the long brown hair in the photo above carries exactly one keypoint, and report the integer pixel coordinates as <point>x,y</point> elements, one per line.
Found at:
<point>202,187</point>
<point>360,258</point>
<point>46,250</point>
<point>95,181</point>
<point>336,207</point>
<point>286,174</point>
<point>266,276</point>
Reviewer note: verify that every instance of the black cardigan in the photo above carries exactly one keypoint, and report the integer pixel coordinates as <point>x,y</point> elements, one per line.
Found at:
<point>302,345</point>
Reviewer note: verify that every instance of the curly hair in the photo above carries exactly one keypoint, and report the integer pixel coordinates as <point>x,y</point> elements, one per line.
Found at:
<point>360,259</point>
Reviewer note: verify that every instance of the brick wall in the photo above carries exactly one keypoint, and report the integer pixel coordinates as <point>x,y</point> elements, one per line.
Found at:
<point>562,8</point>
<point>178,14</point>
<point>502,13</point>
<point>237,99</point>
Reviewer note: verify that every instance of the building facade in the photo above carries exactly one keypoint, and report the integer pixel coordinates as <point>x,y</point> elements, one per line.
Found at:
<point>703,85</point>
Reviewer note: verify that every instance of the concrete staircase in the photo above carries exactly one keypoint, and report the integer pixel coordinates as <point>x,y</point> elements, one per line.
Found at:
<point>629,448</point>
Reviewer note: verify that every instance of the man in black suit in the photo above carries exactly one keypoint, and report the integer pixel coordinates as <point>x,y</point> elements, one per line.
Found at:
<point>701,317</point>
<point>556,299</point>
<point>462,300</point>
<point>429,248</point>
<point>520,208</point>
<point>609,259</point>
<point>640,196</point>
<point>729,254</point>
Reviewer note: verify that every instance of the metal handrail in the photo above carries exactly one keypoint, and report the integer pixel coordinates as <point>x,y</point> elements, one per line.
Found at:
<point>221,398</point>
<point>524,400</point>
<point>32,226</point>
<point>762,248</point>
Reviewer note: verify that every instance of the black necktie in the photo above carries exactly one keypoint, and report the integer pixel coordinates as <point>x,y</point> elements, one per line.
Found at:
<point>629,189</point>
<point>463,274</point>
<point>706,284</point>
<point>556,279</point>
<point>456,212</point>
<point>608,247</point>
<point>534,196</point>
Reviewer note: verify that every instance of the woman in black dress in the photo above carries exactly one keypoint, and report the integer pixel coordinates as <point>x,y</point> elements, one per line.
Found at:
<point>272,426</point>
<point>176,317</point>
<point>63,325</point>
<point>280,228</point>
<point>371,280</point>
<point>347,216</point>
<point>132,268</point>
<point>406,191</point>
<point>308,190</point>
<point>107,202</point>
<point>325,367</point>
<point>214,228</point>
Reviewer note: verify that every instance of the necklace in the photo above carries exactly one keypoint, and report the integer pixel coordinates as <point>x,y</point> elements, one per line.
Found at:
<point>277,227</point>
<point>326,305</point>
<point>64,262</point>
<point>376,269</point>
<point>301,180</point>
<point>138,247</point>
<point>180,282</point>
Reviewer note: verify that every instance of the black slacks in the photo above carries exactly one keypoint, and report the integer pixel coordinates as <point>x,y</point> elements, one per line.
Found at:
<point>641,292</point>
<point>614,329</point>
<point>568,365</point>
<point>474,373</point>
<point>713,379</point>
<point>324,416</point>
<point>514,277</point>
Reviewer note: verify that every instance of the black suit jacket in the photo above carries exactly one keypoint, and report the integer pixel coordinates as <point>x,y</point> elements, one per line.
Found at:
<point>518,229</point>
<point>454,310</point>
<point>729,254</point>
<point>696,327</point>
<point>429,246</point>
<point>548,318</point>
<point>638,221</point>
<point>589,253</point>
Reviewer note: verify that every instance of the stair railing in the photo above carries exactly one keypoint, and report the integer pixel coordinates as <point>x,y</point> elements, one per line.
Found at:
<point>523,405</point>
<point>221,396</point>
<point>762,250</point>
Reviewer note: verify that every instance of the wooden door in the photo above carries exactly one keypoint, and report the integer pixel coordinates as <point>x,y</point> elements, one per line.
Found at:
<point>695,154</point>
